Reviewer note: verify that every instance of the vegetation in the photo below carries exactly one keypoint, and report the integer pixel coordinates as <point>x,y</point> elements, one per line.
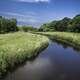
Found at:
<point>62,29</point>
<point>16,47</point>
<point>27,28</point>
<point>72,39</point>
<point>8,25</point>
<point>66,24</point>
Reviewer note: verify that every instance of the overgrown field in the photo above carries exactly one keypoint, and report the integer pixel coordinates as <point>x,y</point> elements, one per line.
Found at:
<point>66,37</point>
<point>17,47</point>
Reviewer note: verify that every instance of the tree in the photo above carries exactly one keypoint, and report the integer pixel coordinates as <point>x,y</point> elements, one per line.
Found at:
<point>7,25</point>
<point>28,28</point>
<point>0,23</point>
<point>76,23</point>
<point>66,24</point>
<point>62,25</point>
<point>46,27</point>
<point>12,25</point>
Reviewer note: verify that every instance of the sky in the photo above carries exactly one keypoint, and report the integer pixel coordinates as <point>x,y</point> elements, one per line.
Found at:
<point>37,12</point>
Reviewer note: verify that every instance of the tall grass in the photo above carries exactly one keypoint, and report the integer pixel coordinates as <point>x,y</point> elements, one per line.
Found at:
<point>67,37</point>
<point>15,48</point>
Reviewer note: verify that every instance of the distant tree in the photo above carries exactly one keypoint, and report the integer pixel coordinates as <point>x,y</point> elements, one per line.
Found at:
<point>3,25</point>
<point>0,23</point>
<point>42,28</point>
<point>46,27</point>
<point>52,25</point>
<point>62,25</point>
<point>66,24</point>
<point>8,25</point>
<point>12,25</point>
<point>28,28</point>
<point>76,23</point>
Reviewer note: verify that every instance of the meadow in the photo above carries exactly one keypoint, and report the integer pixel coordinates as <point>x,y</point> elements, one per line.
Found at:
<point>17,47</point>
<point>70,38</point>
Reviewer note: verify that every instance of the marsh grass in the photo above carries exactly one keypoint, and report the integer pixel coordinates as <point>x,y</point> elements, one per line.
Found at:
<point>70,38</point>
<point>15,48</point>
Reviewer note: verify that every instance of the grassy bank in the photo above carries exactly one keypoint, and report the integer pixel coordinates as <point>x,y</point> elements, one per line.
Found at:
<point>72,39</point>
<point>17,47</point>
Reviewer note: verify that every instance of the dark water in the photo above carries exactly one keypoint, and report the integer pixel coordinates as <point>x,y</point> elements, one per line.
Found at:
<point>57,62</point>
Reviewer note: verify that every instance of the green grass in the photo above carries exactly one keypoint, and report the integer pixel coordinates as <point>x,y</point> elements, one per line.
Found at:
<point>66,37</point>
<point>17,47</point>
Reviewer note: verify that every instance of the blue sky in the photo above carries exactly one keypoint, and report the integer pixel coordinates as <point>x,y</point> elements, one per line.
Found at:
<point>37,12</point>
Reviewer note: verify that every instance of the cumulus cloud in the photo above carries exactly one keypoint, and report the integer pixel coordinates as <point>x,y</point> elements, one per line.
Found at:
<point>33,0</point>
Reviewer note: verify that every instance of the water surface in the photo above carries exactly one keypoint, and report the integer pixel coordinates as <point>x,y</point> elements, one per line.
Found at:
<point>57,62</point>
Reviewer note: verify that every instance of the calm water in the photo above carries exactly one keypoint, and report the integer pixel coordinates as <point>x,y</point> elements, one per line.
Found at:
<point>57,62</point>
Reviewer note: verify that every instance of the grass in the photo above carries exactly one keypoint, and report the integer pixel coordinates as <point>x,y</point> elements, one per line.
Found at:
<point>72,39</point>
<point>15,48</point>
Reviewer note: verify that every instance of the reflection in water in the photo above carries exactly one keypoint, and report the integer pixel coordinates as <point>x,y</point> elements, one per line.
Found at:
<point>33,70</point>
<point>55,63</point>
<point>65,45</point>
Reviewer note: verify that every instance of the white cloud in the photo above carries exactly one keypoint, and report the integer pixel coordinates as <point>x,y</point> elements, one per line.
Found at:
<point>28,18</point>
<point>33,0</point>
<point>31,18</point>
<point>27,15</point>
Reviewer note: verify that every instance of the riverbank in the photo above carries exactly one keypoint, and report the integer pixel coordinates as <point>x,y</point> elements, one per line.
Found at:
<point>56,60</point>
<point>72,39</point>
<point>15,48</point>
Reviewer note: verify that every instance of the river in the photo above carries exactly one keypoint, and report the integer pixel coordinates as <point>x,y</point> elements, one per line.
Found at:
<point>56,62</point>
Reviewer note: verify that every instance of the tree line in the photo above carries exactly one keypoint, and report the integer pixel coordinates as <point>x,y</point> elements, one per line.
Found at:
<point>27,28</point>
<point>8,25</point>
<point>66,24</point>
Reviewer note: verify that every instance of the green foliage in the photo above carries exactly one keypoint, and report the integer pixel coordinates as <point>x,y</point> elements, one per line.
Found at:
<point>66,24</point>
<point>17,47</point>
<point>8,25</point>
<point>46,27</point>
<point>76,23</point>
<point>27,28</point>
<point>67,37</point>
